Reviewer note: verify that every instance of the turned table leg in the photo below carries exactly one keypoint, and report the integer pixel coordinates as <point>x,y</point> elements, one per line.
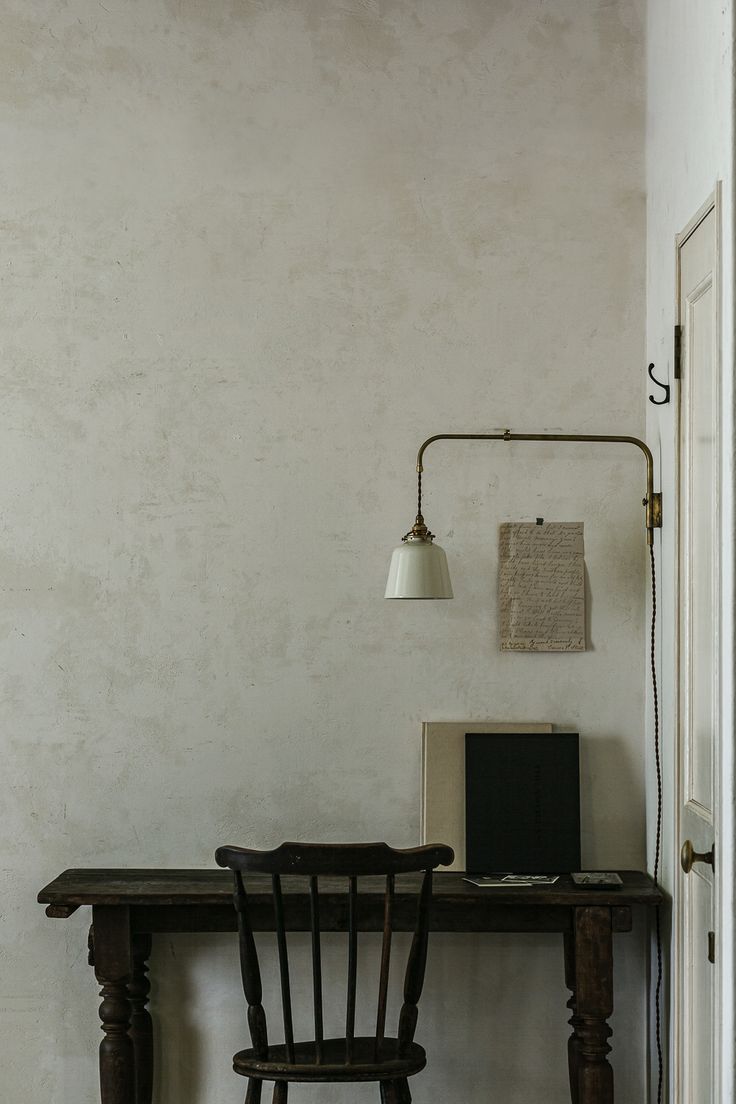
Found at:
<point>593,995</point>
<point>573,1043</point>
<point>141,1025</point>
<point>113,964</point>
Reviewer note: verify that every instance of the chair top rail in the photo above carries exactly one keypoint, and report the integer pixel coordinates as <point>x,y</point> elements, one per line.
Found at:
<point>334,859</point>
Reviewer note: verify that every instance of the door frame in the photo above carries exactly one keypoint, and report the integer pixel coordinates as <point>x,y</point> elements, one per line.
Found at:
<point>723,754</point>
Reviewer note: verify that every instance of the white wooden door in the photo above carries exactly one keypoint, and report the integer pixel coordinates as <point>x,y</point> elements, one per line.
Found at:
<point>698,676</point>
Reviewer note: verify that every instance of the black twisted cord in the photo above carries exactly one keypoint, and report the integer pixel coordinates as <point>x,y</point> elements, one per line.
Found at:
<point>658,841</point>
<point>419,494</point>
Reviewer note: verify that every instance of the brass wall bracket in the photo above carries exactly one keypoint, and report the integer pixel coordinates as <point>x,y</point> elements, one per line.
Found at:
<point>654,510</point>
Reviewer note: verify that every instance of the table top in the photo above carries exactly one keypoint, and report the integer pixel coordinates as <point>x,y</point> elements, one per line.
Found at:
<point>159,888</point>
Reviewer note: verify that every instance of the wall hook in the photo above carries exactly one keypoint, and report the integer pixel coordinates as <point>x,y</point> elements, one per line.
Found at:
<point>664,386</point>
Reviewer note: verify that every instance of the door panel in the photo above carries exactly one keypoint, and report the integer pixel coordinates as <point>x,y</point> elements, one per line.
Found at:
<point>701,1074</point>
<point>699,615</point>
<point>700,452</point>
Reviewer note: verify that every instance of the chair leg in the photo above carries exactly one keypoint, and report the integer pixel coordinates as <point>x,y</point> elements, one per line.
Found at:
<point>403,1095</point>
<point>253,1094</point>
<point>395,1092</point>
<point>280,1090</point>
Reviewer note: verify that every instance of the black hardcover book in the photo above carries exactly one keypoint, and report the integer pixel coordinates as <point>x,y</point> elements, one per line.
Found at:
<point>522,802</point>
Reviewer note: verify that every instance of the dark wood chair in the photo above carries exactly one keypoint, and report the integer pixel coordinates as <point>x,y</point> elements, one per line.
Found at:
<point>388,1060</point>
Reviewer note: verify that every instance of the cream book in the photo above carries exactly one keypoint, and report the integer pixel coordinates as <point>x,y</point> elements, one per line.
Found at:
<point>443,778</point>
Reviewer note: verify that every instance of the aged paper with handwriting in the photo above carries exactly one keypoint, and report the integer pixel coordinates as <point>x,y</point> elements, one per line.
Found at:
<point>541,587</point>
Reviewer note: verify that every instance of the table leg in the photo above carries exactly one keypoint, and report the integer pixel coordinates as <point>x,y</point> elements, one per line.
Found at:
<point>141,1025</point>
<point>112,955</point>
<point>574,1042</point>
<point>594,1003</point>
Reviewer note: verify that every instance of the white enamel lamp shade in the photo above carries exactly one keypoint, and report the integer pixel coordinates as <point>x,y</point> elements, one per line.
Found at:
<point>418,570</point>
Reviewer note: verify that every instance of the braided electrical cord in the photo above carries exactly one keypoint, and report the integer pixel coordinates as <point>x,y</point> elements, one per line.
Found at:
<point>658,840</point>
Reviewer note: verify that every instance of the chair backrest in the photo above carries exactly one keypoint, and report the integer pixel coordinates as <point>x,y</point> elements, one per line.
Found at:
<point>333,860</point>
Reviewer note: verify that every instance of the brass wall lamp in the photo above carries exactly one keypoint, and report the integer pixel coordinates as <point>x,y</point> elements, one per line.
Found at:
<point>419,567</point>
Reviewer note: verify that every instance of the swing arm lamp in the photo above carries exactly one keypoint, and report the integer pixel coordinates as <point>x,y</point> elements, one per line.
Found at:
<point>419,567</point>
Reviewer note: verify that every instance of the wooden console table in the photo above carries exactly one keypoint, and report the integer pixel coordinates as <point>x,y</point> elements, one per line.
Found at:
<point>129,906</point>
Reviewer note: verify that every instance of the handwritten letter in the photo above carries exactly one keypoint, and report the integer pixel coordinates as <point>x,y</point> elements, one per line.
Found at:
<point>541,586</point>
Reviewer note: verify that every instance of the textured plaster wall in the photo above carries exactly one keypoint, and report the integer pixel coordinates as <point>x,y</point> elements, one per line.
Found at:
<point>252,254</point>
<point>690,147</point>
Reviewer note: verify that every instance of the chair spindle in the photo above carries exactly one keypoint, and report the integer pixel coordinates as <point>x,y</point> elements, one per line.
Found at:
<point>352,966</point>
<point>278,904</point>
<point>316,968</point>
<point>250,972</point>
<point>388,902</point>
<point>414,978</point>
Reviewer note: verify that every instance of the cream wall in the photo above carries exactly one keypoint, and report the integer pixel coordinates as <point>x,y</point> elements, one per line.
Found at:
<point>690,148</point>
<point>253,253</point>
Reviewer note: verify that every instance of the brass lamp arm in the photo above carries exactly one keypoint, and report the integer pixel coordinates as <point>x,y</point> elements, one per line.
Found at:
<point>652,501</point>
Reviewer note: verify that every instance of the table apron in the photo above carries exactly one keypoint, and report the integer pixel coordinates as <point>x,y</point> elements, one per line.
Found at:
<point>446,917</point>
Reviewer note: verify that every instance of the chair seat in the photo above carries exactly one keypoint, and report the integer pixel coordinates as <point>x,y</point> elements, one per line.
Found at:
<point>364,1066</point>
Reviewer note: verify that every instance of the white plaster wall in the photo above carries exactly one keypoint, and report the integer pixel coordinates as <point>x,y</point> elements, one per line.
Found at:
<point>253,253</point>
<point>690,147</point>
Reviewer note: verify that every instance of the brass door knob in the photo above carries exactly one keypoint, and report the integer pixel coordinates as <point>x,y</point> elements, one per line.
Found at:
<point>688,856</point>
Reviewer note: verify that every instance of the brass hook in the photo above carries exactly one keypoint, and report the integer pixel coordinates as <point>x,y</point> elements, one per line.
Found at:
<point>665,387</point>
